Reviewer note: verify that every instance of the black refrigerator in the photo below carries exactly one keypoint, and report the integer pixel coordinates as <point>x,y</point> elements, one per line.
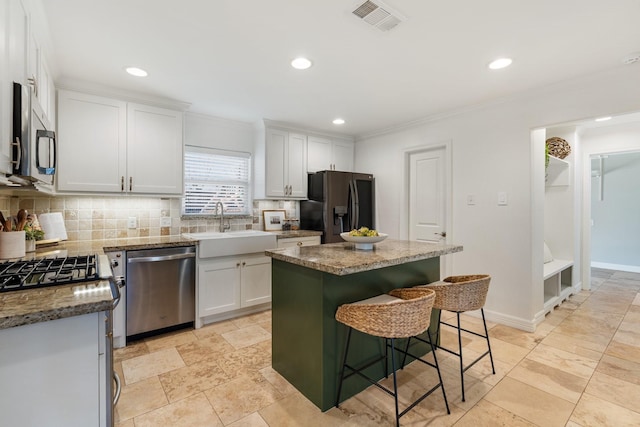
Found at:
<point>338,202</point>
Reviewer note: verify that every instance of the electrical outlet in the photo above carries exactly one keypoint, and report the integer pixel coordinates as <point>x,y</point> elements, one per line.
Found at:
<point>471,199</point>
<point>502,199</point>
<point>165,221</point>
<point>132,222</point>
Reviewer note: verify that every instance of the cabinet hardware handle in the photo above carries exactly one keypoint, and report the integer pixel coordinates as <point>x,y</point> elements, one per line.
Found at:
<point>244,263</point>
<point>33,82</point>
<point>122,183</point>
<point>130,183</point>
<point>18,146</point>
<point>237,264</point>
<point>299,243</point>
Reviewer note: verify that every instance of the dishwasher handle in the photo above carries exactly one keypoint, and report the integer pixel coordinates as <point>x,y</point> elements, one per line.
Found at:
<point>161,258</point>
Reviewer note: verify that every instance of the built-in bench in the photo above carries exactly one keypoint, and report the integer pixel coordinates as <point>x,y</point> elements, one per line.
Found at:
<point>557,282</point>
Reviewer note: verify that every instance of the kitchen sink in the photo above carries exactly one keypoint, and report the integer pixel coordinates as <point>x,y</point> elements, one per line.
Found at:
<point>212,244</point>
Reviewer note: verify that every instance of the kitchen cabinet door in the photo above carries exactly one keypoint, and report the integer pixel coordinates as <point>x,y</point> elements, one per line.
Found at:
<point>296,166</point>
<point>154,150</point>
<point>342,156</point>
<point>18,40</point>
<point>91,143</point>
<point>218,286</point>
<point>52,373</point>
<point>318,154</point>
<point>256,280</point>
<point>6,90</point>
<point>276,147</point>
<point>327,154</point>
<point>286,164</point>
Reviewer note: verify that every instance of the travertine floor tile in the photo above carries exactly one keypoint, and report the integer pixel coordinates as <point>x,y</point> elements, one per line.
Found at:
<point>614,390</point>
<point>240,397</point>
<point>152,364</point>
<point>278,381</point>
<point>252,420</point>
<point>210,347</point>
<point>623,351</point>
<point>246,359</point>
<point>215,328</point>
<point>515,336</point>
<point>295,410</point>
<point>502,350</point>
<point>636,300</point>
<point>246,336</point>
<point>593,411</point>
<point>140,398</point>
<point>128,423</point>
<point>569,362</point>
<point>553,380</point>
<point>619,368</point>
<point>172,339</point>
<point>192,379</point>
<point>571,344</point>
<point>530,403</point>
<point>132,350</point>
<point>486,414</point>
<point>194,411</point>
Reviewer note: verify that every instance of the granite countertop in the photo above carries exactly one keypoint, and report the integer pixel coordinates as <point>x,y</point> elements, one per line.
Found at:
<point>342,258</point>
<point>19,308</point>
<point>297,233</point>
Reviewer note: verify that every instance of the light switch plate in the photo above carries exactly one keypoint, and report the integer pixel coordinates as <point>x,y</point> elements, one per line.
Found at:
<point>132,222</point>
<point>471,199</point>
<point>502,198</point>
<point>165,221</point>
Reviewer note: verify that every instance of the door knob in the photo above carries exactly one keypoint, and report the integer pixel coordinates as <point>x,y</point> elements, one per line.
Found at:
<point>442,234</point>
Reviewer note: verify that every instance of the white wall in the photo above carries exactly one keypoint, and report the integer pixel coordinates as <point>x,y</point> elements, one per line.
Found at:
<point>492,152</point>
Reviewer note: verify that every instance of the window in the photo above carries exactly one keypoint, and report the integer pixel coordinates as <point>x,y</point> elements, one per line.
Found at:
<point>212,176</point>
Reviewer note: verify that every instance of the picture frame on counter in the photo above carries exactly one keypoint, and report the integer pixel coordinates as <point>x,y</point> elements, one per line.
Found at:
<point>273,219</point>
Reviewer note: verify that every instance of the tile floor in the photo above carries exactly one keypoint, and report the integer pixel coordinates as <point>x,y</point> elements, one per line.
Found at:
<point>580,368</point>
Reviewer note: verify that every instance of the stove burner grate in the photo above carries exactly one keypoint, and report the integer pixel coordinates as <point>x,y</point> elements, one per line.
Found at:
<point>39,273</point>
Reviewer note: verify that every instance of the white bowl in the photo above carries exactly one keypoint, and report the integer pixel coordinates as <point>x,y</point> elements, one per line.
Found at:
<point>362,242</point>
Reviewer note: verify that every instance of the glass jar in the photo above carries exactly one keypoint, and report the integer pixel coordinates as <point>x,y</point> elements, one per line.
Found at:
<point>286,225</point>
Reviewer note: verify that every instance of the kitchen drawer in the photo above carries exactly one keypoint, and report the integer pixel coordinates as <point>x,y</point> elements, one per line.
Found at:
<point>298,241</point>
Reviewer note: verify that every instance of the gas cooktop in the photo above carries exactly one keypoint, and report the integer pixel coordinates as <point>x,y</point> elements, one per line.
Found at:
<point>39,273</point>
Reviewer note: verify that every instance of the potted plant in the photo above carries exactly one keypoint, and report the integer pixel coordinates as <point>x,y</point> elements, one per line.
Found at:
<point>32,234</point>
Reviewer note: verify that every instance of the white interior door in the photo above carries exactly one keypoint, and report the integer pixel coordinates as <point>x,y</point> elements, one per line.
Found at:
<point>428,197</point>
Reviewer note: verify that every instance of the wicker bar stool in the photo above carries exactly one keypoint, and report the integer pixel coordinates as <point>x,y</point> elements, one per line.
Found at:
<point>401,313</point>
<point>459,294</point>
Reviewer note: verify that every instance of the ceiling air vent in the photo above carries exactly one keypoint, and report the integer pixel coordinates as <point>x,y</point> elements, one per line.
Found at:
<point>379,15</point>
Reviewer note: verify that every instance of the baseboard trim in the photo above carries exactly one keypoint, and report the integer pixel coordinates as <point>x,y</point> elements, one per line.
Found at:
<point>505,319</point>
<point>619,267</point>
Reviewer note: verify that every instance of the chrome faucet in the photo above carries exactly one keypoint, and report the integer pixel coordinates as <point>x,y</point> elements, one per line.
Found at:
<point>223,226</point>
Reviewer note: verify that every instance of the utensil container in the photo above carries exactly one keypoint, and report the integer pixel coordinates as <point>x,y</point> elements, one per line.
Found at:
<point>12,245</point>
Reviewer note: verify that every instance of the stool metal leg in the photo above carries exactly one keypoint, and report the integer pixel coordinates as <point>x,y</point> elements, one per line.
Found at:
<point>460,350</point>
<point>486,334</point>
<point>344,363</point>
<point>395,383</point>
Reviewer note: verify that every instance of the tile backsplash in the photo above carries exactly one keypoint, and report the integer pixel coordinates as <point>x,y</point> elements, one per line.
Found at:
<point>92,218</point>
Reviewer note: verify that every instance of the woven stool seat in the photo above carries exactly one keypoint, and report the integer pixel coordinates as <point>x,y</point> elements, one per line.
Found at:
<point>402,313</point>
<point>459,294</point>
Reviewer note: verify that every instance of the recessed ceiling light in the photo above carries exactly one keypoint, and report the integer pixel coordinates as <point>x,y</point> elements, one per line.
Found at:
<point>338,121</point>
<point>603,119</point>
<point>301,63</point>
<point>135,71</point>
<point>500,63</point>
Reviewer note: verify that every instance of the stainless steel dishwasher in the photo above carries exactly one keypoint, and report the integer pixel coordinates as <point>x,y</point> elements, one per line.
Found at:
<point>160,288</point>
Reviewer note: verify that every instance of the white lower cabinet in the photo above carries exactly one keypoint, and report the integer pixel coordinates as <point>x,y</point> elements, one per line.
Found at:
<point>298,241</point>
<point>231,283</point>
<point>54,373</point>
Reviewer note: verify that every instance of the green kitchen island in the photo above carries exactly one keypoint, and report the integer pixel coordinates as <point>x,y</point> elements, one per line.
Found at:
<point>308,285</point>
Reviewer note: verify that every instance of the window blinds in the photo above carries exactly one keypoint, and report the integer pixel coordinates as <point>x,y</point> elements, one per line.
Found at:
<point>211,176</point>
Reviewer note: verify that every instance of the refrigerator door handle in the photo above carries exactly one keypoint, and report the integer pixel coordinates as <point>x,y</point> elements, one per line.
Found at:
<point>355,205</point>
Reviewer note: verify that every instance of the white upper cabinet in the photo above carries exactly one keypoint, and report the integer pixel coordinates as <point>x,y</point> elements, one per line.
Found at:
<point>286,165</point>
<point>18,40</point>
<point>109,146</point>
<point>154,150</point>
<point>328,154</point>
<point>92,140</point>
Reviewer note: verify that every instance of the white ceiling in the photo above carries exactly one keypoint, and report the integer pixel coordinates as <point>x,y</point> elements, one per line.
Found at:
<point>230,58</point>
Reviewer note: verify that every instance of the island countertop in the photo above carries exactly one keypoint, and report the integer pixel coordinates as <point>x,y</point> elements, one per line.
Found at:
<point>342,258</point>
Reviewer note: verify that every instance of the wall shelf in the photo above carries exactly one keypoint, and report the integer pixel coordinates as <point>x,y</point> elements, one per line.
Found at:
<point>557,172</point>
